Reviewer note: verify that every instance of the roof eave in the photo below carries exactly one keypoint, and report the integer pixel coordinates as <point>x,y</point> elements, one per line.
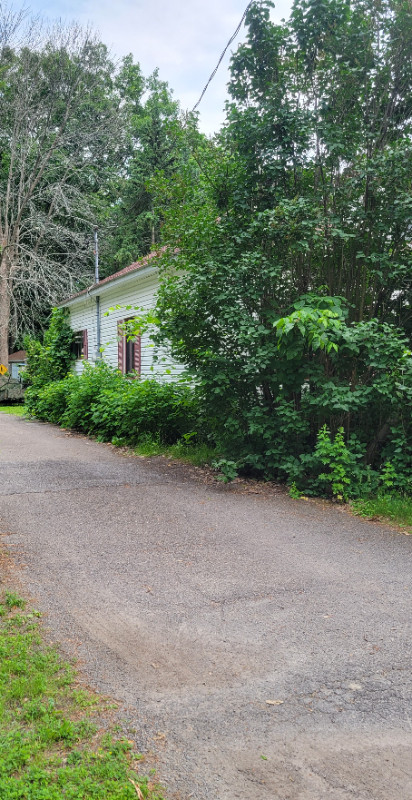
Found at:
<point>100,288</point>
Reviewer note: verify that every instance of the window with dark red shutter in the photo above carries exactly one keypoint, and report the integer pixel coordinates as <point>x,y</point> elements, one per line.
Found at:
<point>80,346</point>
<point>129,350</point>
<point>137,362</point>
<point>120,345</point>
<point>85,345</point>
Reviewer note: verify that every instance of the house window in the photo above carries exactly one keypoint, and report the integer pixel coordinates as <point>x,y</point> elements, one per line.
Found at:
<point>129,350</point>
<point>15,371</point>
<point>80,345</point>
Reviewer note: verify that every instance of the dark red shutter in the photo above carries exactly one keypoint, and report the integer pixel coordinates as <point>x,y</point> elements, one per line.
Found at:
<point>85,345</point>
<point>137,354</point>
<point>120,345</point>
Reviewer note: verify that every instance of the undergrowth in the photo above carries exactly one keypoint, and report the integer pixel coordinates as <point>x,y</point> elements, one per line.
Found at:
<point>199,455</point>
<point>52,746</point>
<point>397,509</point>
<point>16,410</point>
<point>156,418</point>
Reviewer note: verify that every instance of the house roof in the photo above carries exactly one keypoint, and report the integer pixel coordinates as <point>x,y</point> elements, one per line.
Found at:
<point>143,262</point>
<point>19,355</point>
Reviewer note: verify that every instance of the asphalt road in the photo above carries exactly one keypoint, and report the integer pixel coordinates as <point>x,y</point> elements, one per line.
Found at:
<point>260,645</point>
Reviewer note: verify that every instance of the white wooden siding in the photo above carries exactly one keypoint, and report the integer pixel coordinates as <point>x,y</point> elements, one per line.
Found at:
<point>137,291</point>
<point>83,317</point>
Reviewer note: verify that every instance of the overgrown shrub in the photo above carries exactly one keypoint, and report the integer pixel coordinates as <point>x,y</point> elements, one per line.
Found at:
<point>102,402</point>
<point>328,408</point>
<point>52,359</point>
<point>139,408</point>
<point>85,392</point>
<point>286,276</point>
<point>335,468</point>
<point>332,415</point>
<point>48,402</point>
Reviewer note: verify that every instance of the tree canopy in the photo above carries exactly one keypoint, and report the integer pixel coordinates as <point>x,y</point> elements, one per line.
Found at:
<point>155,146</point>
<point>290,293</point>
<point>60,123</point>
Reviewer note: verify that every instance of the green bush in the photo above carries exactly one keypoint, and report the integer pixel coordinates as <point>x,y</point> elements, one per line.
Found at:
<point>52,359</point>
<point>48,402</point>
<point>102,402</point>
<point>135,409</point>
<point>85,392</point>
<point>334,417</point>
<point>327,407</point>
<point>335,468</point>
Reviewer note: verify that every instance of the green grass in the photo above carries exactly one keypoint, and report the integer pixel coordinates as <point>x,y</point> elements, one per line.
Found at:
<point>397,509</point>
<point>197,454</point>
<point>17,410</point>
<point>52,746</point>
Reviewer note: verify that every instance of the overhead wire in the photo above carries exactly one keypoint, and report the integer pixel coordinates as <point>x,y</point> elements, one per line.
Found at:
<point>223,55</point>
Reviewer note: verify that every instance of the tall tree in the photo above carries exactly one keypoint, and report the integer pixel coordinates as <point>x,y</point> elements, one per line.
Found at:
<point>320,132</point>
<point>157,146</point>
<point>60,120</point>
<point>303,214</point>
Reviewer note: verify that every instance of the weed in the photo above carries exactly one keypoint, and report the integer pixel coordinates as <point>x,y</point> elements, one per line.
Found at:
<point>16,410</point>
<point>197,454</point>
<point>184,450</point>
<point>294,491</point>
<point>228,470</point>
<point>49,748</point>
<point>395,508</point>
<point>14,601</point>
<point>84,699</point>
<point>149,445</point>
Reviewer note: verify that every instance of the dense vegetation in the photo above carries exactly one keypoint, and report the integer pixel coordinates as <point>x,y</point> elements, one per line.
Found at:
<point>287,266</point>
<point>104,403</point>
<point>289,296</point>
<point>80,138</point>
<point>51,359</point>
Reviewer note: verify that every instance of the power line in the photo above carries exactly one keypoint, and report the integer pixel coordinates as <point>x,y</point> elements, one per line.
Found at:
<point>223,54</point>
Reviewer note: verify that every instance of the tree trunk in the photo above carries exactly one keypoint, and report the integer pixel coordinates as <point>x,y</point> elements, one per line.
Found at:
<point>4,314</point>
<point>378,440</point>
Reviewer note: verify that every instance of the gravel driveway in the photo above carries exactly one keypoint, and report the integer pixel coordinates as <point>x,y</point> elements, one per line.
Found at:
<point>260,646</point>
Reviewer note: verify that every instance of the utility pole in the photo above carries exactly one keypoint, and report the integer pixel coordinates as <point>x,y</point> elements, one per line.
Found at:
<point>96,256</point>
<point>96,280</point>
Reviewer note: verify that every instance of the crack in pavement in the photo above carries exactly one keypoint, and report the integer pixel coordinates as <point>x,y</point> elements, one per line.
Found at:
<point>86,488</point>
<point>195,607</point>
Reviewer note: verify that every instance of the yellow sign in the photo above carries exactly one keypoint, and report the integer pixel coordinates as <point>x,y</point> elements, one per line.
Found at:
<point>3,369</point>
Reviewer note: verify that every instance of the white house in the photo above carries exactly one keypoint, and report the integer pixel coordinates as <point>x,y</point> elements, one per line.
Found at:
<point>98,329</point>
<point>17,363</point>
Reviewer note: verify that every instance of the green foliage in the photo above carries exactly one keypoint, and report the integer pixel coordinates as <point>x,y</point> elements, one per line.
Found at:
<point>286,283</point>
<point>49,744</point>
<point>197,453</point>
<point>16,410</point>
<point>228,470</point>
<point>12,600</point>
<point>104,403</point>
<point>344,473</point>
<point>294,492</point>
<point>48,402</point>
<point>156,145</point>
<point>50,361</point>
<point>386,506</point>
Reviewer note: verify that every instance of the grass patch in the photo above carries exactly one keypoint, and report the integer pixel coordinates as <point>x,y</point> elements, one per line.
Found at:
<point>51,743</point>
<point>18,411</point>
<point>396,509</point>
<point>197,454</point>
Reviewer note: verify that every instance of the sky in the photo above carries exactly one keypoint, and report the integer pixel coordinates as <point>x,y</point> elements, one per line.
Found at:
<point>183,38</point>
